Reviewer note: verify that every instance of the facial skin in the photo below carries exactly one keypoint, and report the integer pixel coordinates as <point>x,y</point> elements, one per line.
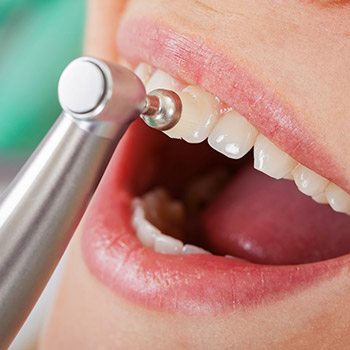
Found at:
<point>299,49</point>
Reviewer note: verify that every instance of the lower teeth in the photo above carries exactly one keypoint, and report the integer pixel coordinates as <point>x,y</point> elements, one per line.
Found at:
<point>157,210</point>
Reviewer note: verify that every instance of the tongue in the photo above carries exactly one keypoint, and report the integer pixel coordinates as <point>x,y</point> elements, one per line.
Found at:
<point>270,222</point>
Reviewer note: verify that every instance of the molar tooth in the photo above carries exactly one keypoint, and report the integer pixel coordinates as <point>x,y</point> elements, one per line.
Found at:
<point>271,160</point>
<point>338,199</point>
<point>144,72</point>
<point>200,112</point>
<point>162,80</point>
<point>309,182</point>
<point>167,245</point>
<point>233,135</point>
<point>165,213</point>
<point>193,249</point>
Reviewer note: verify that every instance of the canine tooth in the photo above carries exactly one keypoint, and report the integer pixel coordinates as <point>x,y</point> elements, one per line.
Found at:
<point>193,249</point>
<point>233,135</point>
<point>309,182</point>
<point>162,80</point>
<point>200,111</point>
<point>271,160</point>
<point>320,198</point>
<point>167,245</point>
<point>144,72</point>
<point>338,199</point>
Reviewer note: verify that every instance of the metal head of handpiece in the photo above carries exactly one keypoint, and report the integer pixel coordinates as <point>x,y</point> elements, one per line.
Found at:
<point>90,89</point>
<point>162,110</point>
<point>43,205</point>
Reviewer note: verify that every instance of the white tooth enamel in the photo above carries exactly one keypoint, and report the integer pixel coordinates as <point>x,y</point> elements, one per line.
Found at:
<point>167,245</point>
<point>145,231</point>
<point>320,198</point>
<point>150,236</point>
<point>193,249</point>
<point>233,135</point>
<point>338,199</point>
<point>200,111</point>
<point>271,160</point>
<point>147,234</point>
<point>288,176</point>
<point>308,181</point>
<point>162,80</point>
<point>144,72</point>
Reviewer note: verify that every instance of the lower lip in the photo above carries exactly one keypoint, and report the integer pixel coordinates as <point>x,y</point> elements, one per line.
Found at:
<point>191,284</point>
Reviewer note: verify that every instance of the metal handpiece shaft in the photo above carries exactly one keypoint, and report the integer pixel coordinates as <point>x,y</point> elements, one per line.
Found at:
<point>44,204</point>
<point>37,221</point>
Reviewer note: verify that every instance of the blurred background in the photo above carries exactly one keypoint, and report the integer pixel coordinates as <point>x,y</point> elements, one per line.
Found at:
<point>38,38</point>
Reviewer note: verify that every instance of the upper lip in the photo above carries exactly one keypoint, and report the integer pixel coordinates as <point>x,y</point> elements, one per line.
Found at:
<point>196,63</point>
<point>112,251</point>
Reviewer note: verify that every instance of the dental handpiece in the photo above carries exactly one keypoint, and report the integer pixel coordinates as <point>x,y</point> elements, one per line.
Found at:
<point>43,205</point>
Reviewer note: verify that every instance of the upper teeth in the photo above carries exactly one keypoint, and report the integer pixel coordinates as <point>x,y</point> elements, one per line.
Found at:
<point>230,133</point>
<point>271,160</point>
<point>233,135</point>
<point>200,112</point>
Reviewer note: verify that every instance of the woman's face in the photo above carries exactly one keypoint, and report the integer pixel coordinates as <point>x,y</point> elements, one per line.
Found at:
<point>281,73</point>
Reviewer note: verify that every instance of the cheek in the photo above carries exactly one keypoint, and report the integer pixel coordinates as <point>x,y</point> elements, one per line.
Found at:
<point>88,315</point>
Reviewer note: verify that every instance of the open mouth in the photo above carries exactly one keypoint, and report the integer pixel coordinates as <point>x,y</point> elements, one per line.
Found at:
<point>203,198</point>
<point>209,226</point>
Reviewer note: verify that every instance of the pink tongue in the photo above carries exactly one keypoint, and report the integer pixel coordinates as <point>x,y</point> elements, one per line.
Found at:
<point>270,222</point>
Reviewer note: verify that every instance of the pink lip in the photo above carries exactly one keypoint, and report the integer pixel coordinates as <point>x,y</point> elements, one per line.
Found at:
<point>191,60</point>
<point>196,283</point>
